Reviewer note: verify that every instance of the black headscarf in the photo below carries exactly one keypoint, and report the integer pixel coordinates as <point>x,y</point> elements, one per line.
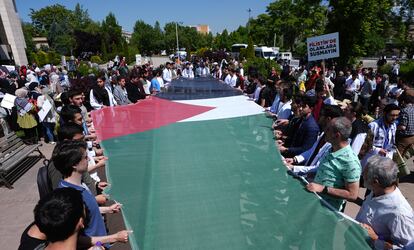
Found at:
<point>101,95</point>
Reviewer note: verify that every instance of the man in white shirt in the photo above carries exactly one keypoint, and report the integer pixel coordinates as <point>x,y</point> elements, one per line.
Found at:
<point>385,213</point>
<point>166,74</point>
<point>188,71</point>
<point>231,78</point>
<point>203,71</point>
<point>352,86</point>
<point>285,107</point>
<point>241,69</point>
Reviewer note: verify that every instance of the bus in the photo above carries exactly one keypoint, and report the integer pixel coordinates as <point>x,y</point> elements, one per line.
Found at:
<point>235,49</point>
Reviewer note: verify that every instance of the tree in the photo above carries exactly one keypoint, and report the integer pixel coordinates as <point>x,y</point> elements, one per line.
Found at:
<point>158,38</point>
<point>43,19</point>
<point>81,17</point>
<point>363,26</point>
<point>222,41</point>
<point>294,21</point>
<point>170,36</point>
<point>144,37</point>
<point>402,20</point>
<point>239,36</point>
<point>28,32</point>
<point>111,35</point>
<point>60,39</point>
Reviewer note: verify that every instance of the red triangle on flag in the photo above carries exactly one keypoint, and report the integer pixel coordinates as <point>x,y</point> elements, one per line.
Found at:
<point>148,114</point>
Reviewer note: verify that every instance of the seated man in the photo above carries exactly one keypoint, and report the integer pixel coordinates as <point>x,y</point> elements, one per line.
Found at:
<point>72,161</point>
<point>384,130</point>
<point>337,178</point>
<point>72,114</point>
<point>354,112</point>
<point>307,132</point>
<point>308,161</point>
<point>385,212</point>
<point>285,109</point>
<point>71,131</point>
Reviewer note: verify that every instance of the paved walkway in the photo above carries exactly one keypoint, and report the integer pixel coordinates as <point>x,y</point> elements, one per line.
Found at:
<point>17,205</point>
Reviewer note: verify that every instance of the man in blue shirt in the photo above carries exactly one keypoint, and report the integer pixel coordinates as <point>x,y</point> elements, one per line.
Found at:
<point>71,160</point>
<point>155,85</point>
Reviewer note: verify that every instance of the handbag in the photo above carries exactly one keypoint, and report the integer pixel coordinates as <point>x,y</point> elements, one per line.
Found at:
<point>403,169</point>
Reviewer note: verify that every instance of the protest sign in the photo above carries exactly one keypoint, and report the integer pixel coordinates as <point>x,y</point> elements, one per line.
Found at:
<point>323,47</point>
<point>46,107</point>
<point>8,101</point>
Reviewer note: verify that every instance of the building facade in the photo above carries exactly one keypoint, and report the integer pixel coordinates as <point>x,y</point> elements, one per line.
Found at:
<point>12,44</point>
<point>201,28</point>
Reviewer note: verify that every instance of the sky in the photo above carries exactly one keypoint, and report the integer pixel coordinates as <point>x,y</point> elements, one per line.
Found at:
<point>218,14</point>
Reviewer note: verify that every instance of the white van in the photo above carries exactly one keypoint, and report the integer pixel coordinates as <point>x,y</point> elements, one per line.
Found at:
<point>264,52</point>
<point>285,56</point>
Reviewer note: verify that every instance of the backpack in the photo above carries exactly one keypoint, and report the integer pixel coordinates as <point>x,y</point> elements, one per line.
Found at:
<point>43,182</point>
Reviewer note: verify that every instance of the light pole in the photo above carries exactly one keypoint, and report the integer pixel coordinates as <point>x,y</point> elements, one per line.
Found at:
<point>248,22</point>
<point>176,35</point>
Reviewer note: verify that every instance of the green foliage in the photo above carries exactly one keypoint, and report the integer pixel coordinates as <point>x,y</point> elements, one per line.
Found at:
<point>42,58</point>
<point>407,70</point>
<point>96,59</point>
<point>222,41</point>
<point>247,53</point>
<point>132,51</point>
<point>385,69</point>
<point>201,52</point>
<point>146,38</point>
<point>85,70</point>
<point>291,21</point>
<point>28,32</point>
<point>43,19</point>
<point>362,25</point>
<point>112,33</point>
<point>264,66</point>
<point>239,36</point>
<point>53,57</point>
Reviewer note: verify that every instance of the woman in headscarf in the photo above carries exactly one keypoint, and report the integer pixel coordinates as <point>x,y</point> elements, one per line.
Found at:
<point>49,122</point>
<point>100,96</point>
<point>34,90</point>
<point>25,117</point>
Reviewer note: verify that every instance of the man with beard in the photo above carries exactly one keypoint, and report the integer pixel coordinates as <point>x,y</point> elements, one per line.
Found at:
<point>134,88</point>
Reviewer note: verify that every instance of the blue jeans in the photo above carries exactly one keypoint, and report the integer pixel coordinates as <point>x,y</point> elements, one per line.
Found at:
<point>48,128</point>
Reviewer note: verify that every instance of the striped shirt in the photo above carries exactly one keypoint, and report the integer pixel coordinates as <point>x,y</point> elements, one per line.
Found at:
<point>407,119</point>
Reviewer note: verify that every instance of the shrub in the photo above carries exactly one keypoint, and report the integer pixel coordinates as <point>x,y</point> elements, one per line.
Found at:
<point>263,66</point>
<point>201,52</point>
<point>85,70</point>
<point>96,59</point>
<point>53,57</point>
<point>407,70</point>
<point>41,58</point>
<point>385,69</point>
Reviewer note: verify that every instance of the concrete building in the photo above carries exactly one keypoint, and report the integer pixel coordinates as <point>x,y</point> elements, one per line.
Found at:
<point>12,44</point>
<point>126,35</point>
<point>201,28</point>
<point>40,42</point>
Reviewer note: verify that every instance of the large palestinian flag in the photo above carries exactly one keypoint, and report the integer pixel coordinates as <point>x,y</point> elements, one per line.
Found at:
<point>197,168</point>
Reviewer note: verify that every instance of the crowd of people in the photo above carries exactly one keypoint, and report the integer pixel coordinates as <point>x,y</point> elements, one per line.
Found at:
<point>341,130</point>
<point>344,131</point>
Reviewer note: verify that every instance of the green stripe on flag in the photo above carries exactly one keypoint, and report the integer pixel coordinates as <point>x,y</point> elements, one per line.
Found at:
<point>218,184</point>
